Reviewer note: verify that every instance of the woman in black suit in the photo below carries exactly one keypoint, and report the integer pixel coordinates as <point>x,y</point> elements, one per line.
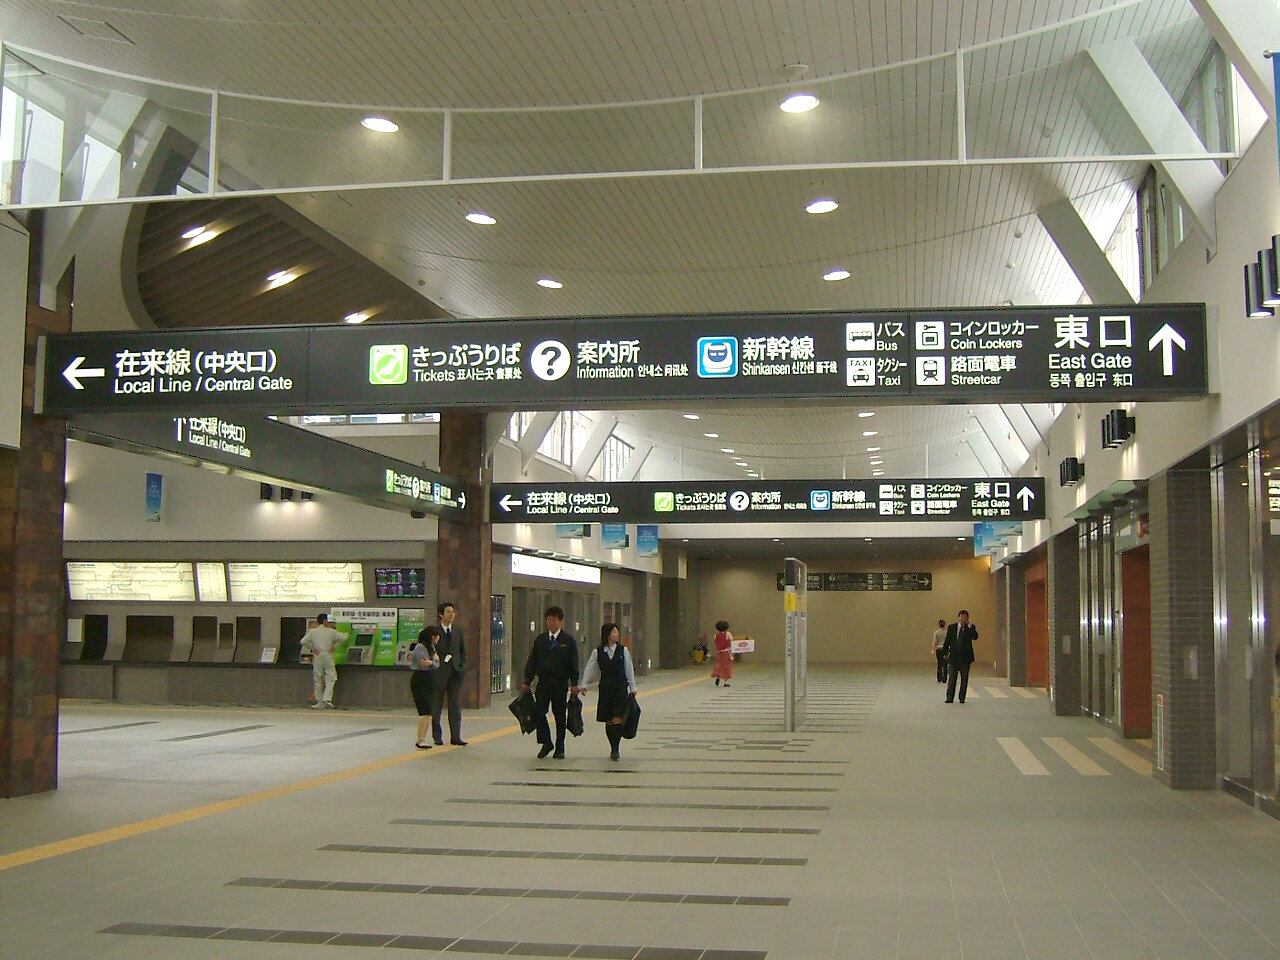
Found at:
<point>424,660</point>
<point>611,662</point>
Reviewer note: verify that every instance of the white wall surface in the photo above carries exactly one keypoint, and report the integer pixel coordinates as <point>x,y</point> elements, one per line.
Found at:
<point>14,243</point>
<point>1244,354</point>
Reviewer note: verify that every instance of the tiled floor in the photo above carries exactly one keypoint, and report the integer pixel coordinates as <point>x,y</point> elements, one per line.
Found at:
<point>891,826</point>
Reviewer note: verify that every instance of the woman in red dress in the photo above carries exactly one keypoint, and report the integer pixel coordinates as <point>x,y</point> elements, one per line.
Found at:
<point>723,669</point>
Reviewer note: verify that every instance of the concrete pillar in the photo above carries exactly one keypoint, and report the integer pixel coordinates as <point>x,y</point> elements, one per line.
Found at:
<point>1000,636</point>
<point>1064,623</point>
<point>1182,649</point>
<point>32,608</point>
<point>464,561</point>
<point>1016,619</point>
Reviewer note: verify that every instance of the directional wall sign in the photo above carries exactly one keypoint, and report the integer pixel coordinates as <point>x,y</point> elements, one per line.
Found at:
<point>278,452</point>
<point>1043,354</point>
<point>185,372</point>
<point>756,501</point>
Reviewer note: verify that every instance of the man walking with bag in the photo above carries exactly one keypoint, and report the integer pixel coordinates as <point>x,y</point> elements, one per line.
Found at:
<point>553,660</point>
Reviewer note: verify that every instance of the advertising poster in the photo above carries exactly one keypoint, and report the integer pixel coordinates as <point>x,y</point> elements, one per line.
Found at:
<point>409,624</point>
<point>647,540</point>
<point>613,536</point>
<point>154,497</point>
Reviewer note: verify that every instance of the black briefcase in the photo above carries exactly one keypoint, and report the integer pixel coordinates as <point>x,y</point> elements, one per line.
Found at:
<point>573,715</point>
<point>525,712</point>
<point>631,718</point>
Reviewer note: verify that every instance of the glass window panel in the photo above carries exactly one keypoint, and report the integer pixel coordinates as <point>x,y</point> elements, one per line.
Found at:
<point>75,133</point>
<point>656,136</point>
<point>900,113</point>
<point>270,144</point>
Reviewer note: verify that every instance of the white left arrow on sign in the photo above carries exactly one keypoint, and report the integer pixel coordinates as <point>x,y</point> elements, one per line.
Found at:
<point>76,370</point>
<point>1026,495</point>
<point>507,502</point>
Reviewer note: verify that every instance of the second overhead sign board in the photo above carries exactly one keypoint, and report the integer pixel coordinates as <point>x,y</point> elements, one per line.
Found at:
<point>1042,354</point>
<point>781,501</point>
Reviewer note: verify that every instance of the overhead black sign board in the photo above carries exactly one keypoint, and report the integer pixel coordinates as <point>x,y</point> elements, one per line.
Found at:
<point>870,581</point>
<point>1043,354</point>
<point>278,452</point>
<point>756,501</point>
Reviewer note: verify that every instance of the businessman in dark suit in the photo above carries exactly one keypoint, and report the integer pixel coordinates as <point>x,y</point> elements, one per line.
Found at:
<point>453,660</point>
<point>553,659</point>
<point>958,651</point>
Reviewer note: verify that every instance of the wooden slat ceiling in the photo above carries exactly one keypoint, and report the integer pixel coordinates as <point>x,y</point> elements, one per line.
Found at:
<point>223,281</point>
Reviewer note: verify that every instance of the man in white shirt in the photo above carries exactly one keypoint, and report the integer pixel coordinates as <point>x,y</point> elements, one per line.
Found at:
<point>939,638</point>
<point>320,641</point>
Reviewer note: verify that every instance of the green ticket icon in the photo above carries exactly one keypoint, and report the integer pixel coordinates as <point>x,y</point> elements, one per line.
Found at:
<point>664,501</point>
<point>388,363</point>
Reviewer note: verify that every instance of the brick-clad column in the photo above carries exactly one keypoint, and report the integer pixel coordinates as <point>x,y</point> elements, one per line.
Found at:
<point>32,605</point>
<point>1064,623</point>
<point>1001,626</point>
<point>464,560</point>
<point>1182,654</point>
<point>1015,612</point>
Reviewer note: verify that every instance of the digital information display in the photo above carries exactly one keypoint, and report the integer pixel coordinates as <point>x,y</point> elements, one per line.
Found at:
<point>130,580</point>
<point>389,582</point>
<point>756,501</point>
<point>992,355</point>
<point>308,582</point>
<point>211,582</point>
<point>871,580</point>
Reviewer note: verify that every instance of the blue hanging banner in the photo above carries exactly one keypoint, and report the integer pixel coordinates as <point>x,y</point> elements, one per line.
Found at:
<point>155,497</point>
<point>613,536</point>
<point>1275,71</point>
<point>647,540</point>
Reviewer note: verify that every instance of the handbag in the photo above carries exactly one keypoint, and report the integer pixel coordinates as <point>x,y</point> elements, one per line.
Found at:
<point>630,718</point>
<point>525,711</point>
<point>573,716</point>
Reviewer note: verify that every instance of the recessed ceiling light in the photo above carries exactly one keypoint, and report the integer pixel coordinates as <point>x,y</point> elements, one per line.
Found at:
<point>356,317</point>
<point>281,277</point>
<point>799,103</point>
<point>712,436</point>
<point>727,450</point>
<point>961,539</point>
<point>877,473</point>
<point>838,274</point>
<point>866,413</point>
<point>867,539</point>
<point>692,416</point>
<point>379,124</point>
<point>753,475</point>
<point>870,433</point>
<point>549,283</point>
<point>873,449</point>
<point>193,233</point>
<point>476,216</point>
<point>824,205</point>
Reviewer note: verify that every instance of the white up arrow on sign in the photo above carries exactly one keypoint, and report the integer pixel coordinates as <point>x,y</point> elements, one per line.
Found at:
<point>1026,495</point>
<point>1166,337</point>
<point>75,371</point>
<point>506,503</point>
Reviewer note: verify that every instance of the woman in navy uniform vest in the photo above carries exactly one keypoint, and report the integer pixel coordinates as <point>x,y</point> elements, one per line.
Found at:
<point>611,662</point>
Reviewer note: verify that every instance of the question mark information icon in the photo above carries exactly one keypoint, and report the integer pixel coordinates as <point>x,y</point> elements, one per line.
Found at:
<point>549,360</point>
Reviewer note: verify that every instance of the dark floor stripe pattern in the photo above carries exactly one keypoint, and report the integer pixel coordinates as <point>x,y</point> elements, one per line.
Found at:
<point>507,948</point>
<point>565,855</point>
<point>537,893</point>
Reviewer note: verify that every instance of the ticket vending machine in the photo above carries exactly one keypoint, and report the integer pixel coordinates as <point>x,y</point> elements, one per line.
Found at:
<point>370,635</point>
